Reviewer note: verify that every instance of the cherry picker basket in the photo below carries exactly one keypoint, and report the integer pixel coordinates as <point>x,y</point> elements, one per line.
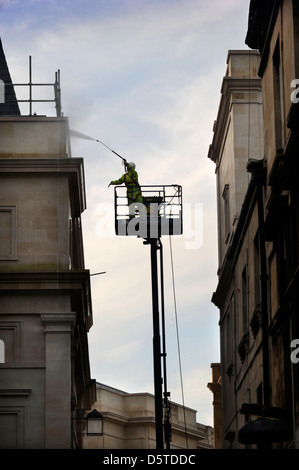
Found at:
<point>160,212</point>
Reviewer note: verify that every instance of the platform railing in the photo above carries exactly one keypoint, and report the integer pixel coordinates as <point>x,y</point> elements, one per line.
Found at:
<point>160,212</point>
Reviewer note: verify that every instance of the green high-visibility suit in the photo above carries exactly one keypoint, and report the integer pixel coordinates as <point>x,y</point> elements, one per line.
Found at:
<point>130,178</point>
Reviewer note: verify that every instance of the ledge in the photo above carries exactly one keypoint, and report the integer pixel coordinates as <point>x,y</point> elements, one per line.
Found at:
<point>12,392</point>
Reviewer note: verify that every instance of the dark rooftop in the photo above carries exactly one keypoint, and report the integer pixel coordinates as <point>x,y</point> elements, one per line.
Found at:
<point>10,106</point>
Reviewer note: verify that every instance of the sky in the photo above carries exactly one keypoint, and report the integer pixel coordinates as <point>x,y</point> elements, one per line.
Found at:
<point>144,77</point>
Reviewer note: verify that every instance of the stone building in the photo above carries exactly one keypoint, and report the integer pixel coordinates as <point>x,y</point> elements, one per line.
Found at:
<point>215,387</point>
<point>45,301</point>
<point>129,423</point>
<point>238,136</point>
<point>273,29</point>
<point>257,292</point>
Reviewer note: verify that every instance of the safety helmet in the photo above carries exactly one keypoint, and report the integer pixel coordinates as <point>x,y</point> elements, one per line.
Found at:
<point>132,164</point>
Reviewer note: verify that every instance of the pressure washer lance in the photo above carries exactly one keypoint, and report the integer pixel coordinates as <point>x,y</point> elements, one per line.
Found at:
<point>83,136</point>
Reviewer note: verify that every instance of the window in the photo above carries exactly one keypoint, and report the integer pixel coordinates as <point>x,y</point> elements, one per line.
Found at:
<point>9,421</point>
<point>259,394</point>
<point>243,345</point>
<point>278,97</point>
<point>245,300</point>
<point>12,424</point>
<point>8,232</point>
<point>257,277</point>
<point>229,335</point>
<point>10,341</point>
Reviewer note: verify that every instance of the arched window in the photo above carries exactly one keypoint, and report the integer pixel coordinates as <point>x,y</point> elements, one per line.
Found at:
<point>2,91</point>
<point>2,351</point>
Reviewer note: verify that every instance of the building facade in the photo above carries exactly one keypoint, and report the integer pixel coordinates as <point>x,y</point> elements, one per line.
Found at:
<point>257,292</point>
<point>238,136</point>
<point>45,300</point>
<point>273,29</point>
<point>129,423</point>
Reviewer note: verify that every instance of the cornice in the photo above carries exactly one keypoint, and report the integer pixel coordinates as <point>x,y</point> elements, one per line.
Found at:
<point>53,279</point>
<point>38,165</point>
<point>36,118</point>
<point>71,167</point>
<point>75,283</point>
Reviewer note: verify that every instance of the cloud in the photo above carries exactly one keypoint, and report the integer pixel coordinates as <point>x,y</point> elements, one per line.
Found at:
<point>145,78</point>
<point>6,3</point>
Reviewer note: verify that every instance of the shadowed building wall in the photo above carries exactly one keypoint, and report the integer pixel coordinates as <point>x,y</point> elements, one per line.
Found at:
<point>45,301</point>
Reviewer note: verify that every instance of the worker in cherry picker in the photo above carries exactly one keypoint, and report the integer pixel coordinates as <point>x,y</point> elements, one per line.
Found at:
<point>130,178</point>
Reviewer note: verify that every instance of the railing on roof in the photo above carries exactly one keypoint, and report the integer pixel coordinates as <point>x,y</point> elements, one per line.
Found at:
<point>31,85</point>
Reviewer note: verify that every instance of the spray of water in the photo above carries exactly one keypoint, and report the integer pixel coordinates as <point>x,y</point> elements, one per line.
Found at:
<point>87,137</point>
<point>81,136</point>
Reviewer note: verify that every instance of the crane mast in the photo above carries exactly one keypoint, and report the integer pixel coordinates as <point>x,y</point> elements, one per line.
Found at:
<point>159,215</point>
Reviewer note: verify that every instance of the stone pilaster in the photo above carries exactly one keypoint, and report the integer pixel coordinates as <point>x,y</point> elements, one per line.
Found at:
<point>58,329</point>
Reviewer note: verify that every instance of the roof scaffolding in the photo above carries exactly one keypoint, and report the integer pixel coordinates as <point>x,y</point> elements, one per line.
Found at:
<point>9,103</point>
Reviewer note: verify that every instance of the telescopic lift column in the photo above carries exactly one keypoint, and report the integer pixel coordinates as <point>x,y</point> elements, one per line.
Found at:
<point>156,345</point>
<point>160,404</point>
<point>163,223</point>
